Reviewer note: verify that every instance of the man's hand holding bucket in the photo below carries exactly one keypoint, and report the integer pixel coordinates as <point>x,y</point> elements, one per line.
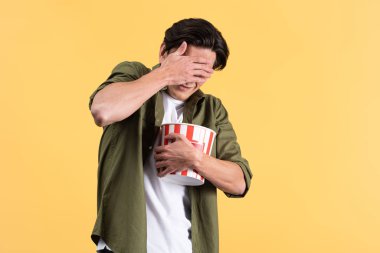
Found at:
<point>177,155</point>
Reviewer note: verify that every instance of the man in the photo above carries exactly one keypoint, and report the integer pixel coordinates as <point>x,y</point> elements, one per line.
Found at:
<point>136,210</point>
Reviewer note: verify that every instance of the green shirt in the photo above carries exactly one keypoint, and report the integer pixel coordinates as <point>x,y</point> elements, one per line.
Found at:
<point>124,145</point>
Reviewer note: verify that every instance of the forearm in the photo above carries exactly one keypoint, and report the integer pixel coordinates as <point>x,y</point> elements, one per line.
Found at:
<point>119,100</point>
<point>225,175</point>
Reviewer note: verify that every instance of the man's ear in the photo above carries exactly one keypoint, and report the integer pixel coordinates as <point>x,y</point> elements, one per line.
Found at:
<point>162,54</point>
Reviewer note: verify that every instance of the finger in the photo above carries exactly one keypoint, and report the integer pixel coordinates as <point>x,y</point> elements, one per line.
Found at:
<point>170,170</point>
<point>161,164</point>
<point>159,157</point>
<point>207,68</point>
<point>182,137</point>
<point>159,170</point>
<point>202,60</point>
<point>176,136</point>
<point>166,171</point>
<point>202,73</point>
<point>172,136</point>
<point>197,79</point>
<point>162,171</point>
<point>160,149</point>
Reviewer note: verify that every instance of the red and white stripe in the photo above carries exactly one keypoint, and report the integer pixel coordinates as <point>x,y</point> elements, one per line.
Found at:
<point>201,137</point>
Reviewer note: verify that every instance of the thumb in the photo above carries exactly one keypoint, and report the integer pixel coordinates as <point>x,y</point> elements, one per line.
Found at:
<point>171,136</point>
<point>182,48</point>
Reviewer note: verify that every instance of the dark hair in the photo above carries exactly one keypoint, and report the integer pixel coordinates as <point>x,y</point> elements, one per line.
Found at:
<point>201,33</point>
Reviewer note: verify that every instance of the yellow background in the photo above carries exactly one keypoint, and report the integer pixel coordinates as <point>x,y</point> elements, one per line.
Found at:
<point>301,87</point>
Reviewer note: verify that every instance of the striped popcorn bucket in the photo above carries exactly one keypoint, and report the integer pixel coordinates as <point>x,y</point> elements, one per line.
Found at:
<point>201,137</point>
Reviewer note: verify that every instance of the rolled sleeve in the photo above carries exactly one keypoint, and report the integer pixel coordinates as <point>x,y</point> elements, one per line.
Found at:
<point>123,72</point>
<point>227,147</point>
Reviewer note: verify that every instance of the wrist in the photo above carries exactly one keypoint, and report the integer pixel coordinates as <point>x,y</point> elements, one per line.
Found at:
<point>162,76</point>
<point>198,161</point>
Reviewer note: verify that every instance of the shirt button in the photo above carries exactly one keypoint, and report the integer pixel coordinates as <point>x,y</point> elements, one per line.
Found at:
<point>150,147</point>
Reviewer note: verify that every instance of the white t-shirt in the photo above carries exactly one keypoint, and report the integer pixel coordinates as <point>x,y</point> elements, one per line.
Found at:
<point>167,204</point>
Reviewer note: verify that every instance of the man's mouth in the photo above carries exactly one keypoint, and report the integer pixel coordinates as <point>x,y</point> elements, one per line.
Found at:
<point>187,86</point>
